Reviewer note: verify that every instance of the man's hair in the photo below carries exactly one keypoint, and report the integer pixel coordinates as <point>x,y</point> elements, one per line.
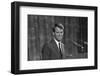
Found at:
<point>59,26</point>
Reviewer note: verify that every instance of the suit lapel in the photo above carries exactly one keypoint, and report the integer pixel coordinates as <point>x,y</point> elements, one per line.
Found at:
<point>55,48</point>
<point>54,45</point>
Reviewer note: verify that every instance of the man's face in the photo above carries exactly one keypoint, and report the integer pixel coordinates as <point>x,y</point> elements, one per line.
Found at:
<point>58,34</point>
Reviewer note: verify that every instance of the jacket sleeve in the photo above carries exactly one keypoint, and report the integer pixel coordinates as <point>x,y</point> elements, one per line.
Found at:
<point>46,52</point>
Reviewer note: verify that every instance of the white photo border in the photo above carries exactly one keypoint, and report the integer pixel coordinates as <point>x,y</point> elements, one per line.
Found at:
<point>28,65</point>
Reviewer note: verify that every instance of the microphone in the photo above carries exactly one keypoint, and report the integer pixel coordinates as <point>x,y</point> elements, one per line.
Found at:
<point>77,44</point>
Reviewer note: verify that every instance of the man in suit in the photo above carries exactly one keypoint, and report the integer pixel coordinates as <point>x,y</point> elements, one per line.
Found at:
<point>54,49</point>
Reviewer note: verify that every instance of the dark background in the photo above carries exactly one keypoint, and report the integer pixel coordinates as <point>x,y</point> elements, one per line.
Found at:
<point>40,31</point>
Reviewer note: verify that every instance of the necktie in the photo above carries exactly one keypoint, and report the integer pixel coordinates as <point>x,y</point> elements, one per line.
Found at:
<point>60,49</point>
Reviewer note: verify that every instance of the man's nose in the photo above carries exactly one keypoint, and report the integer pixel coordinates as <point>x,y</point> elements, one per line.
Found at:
<point>60,34</point>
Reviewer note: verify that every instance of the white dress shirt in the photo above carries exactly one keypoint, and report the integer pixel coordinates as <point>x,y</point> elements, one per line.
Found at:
<point>57,42</point>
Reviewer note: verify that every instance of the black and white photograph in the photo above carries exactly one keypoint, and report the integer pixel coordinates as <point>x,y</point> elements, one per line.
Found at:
<point>57,37</point>
<point>52,37</point>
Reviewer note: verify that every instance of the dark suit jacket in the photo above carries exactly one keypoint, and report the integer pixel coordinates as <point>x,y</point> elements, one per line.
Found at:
<point>50,51</point>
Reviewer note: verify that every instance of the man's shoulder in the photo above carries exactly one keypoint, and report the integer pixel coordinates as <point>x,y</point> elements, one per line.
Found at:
<point>47,46</point>
<point>62,43</point>
<point>50,43</point>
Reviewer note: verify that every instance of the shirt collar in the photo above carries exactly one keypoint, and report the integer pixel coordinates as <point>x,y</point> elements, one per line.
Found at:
<point>57,42</point>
